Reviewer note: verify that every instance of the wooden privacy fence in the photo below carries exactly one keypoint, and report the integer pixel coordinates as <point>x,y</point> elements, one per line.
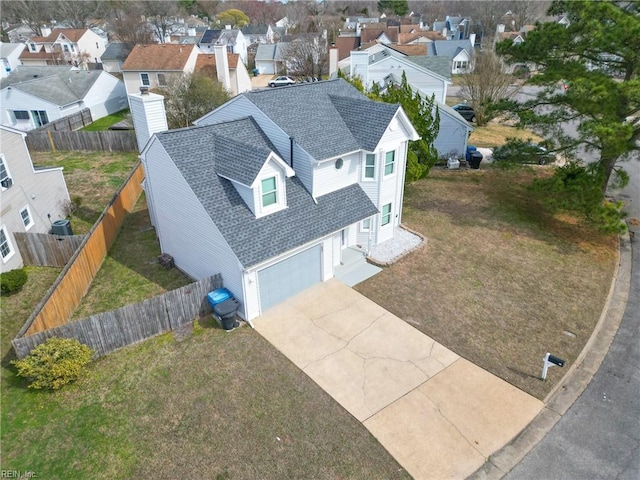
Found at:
<point>72,284</point>
<point>45,250</point>
<point>109,331</point>
<point>68,123</point>
<point>107,141</point>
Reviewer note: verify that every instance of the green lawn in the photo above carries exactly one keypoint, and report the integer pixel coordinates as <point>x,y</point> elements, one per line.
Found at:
<point>105,122</point>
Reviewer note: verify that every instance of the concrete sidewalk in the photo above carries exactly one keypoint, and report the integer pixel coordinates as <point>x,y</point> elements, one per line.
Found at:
<point>439,415</point>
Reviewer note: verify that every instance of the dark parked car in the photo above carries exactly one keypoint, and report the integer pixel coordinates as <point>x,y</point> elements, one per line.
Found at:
<point>466,111</point>
<point>523,152</point>
<point>280,81</point>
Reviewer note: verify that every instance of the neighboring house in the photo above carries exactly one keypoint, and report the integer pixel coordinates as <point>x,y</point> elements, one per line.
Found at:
<point>384,65</point>
<point>460,52</point>
<point>32,198</point>
<point>258,34</point>
<point>64,46</point>
<point>226,68</point>
<point>453,28</point>
<point>34,96</point>
<point>231,38</point>
<point>270,58</point>
<point>153,65</point>
<point>114,56</point>
<point>271,187</point>
<point>10,56</point>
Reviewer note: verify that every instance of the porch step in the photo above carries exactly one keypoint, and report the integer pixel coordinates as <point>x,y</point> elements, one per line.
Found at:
<point>354,268</point>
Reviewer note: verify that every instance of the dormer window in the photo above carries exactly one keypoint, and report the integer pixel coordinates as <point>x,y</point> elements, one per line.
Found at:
<point>269,192</point>
<point>32,47</point>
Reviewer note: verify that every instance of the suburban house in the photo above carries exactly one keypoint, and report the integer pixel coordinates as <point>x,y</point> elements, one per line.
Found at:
<point>226,68</point>
<point>385,65</point>
<point>64,46</point>
<point>32,198</point>
<point>270,188</point>
<point>258,34</point>
<point>232,38</point>
<point>453,28</point>
<point>10,56</point>
<point>34,96</point>
<point>152,65</point>
<point>114,56</point>
<point>270,58</point>
<point>460,52</point>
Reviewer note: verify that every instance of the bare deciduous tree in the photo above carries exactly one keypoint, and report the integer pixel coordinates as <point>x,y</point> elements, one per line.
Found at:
<point>33,13</point>
<point>161,16</point>
<point>306,57</point>
<point>79,13</point>
<point>487,85</point>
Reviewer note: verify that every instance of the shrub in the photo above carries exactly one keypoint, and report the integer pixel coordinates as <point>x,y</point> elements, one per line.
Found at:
<point>12,281</point>
<point>54,363</point>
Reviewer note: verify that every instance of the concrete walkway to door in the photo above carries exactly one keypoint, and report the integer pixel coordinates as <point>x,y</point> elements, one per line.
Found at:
<point>439,415</point>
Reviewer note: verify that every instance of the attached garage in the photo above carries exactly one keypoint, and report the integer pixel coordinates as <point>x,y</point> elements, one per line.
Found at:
<point>289,276</point>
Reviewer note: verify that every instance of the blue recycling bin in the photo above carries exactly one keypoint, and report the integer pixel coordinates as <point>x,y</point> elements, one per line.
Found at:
<point>224,307</point>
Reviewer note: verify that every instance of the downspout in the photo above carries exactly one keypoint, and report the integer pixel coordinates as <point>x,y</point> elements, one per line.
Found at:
<point>291,151</point>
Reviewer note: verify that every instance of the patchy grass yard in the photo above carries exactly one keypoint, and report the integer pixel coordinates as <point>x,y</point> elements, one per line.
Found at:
<point>92,179</point>
<point>499,282</point>
<point>215,405</point>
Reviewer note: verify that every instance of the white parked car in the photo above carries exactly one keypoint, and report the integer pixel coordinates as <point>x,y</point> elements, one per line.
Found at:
<point>280,81</point>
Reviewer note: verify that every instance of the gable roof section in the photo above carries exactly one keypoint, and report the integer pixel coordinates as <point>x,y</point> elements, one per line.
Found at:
<point>239,161</point>
<point>438,65</point>
<point>158,56</point>
<point>315,116</point>
<point>255,240</point>
<point>115,51</point>
<point>58,85</point>
<point>449,48</point>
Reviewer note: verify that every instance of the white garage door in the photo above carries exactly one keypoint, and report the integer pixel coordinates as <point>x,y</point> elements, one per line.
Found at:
<point>290,276</point>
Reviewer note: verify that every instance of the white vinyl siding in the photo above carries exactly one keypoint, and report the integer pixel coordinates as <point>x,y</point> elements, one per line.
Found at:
<point>177,210</point>
<point>327,178</point>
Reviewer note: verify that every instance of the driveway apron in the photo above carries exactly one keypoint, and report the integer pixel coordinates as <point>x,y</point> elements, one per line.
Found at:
<point>439,415</point>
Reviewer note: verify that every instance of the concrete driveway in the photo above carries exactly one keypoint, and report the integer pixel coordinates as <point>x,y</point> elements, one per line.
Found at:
<point>439,415</point>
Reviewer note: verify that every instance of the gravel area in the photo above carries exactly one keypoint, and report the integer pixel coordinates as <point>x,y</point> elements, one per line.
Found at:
<point>392,250</point>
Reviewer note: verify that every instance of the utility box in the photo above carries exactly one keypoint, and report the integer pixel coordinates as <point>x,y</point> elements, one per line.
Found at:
<point>61,228</point>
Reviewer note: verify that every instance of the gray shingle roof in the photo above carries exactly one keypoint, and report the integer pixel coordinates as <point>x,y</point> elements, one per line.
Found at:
<point>439,65</point>
<point>318,117</point>
<point>448,48</point>
<point>59,85</point>
<point>255,240</point>
<point>115,51</point>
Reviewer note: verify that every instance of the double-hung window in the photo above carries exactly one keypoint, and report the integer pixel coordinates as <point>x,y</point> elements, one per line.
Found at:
<point>25,215</point>
<point>386,214</point>
<point>162,79</point>
<point>144,79</point>
<point>269,192</point>
<point>370,166</point>
<point>365,225</point>
<point>6,251</point>
<point>389,163</point>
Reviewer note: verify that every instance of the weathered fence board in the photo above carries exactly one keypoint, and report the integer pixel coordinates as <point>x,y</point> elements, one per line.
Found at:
<point>73,282</point>
<point>44,250</point>
<point>109,331</point>
<point>70,122</point>
<point>108,140</point>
